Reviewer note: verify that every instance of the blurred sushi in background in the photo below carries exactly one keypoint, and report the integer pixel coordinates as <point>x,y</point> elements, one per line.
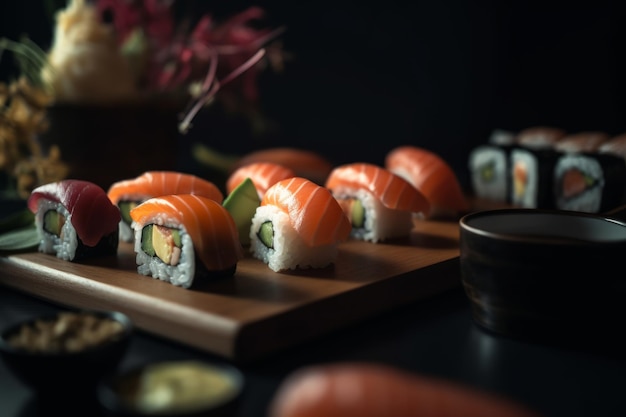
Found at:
<point>380,204</point>
<point>489,167</point>
<point>581,142</point>
<point>532,163</point>
<point>185,238</point>
<point>589,182</point>
<point>432,176</point>
<point>298,225</point>
<point>262,174</point>
<point>75,219</point>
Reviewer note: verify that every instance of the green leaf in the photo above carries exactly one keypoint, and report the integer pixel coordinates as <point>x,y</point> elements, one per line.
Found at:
<point>20,239</point>
<point>17,220</point>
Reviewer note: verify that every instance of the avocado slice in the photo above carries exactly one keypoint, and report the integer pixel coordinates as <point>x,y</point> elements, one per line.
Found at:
<point>358,214</point>
<point>242,203</point>
<point>125,208</point>
<point>266,234</point>
<point>53,222</point>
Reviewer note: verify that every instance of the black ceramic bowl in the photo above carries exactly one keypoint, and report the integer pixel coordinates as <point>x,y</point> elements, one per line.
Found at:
<point>67,352</point>
<point>176,388</point>
<point>544,274</point>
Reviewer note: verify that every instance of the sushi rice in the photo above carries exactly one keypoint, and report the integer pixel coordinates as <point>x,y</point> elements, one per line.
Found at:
<point>289,250</point>
<point>183,273</point>
<point>64,246</point>
<point>381,222</point>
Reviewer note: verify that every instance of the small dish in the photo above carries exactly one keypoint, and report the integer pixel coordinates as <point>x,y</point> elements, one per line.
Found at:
<point>544,274</point>
<point>177,388</point>
<point>66,352</point>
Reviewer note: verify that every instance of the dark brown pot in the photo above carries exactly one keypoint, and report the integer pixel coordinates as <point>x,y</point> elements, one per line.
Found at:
<point>110,142</point>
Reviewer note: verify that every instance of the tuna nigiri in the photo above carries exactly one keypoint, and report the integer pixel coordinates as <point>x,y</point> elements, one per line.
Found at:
<point>75,219</point>
<point>297,225</point>
<point>379,203</point>
<point>262,174</point>
<point>432,175</point>
<point>180,237</point>
<point>305,163</point>
<point>128,193</point>
<point>362,389</point>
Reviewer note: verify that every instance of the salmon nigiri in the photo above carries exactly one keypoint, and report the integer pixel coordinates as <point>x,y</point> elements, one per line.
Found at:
<point>75,219</point>
<point>128,193</point>
<point>376,390</point>
<point>433,176</point>
<point>305,163</point>
<point>297,225</point>
<point>174,232</point>
<point>262,174</point>
<point>379,203</point>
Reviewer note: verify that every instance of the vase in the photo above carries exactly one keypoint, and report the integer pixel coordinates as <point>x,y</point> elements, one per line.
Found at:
<point>105,143</point>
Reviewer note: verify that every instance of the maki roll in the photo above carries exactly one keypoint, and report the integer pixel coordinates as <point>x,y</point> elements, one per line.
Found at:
<point>532,164</point>
<point>298,225</point>
<point>262,174</point>
<point>180,238</point>
<point>127,194</point>
<point>589,182</point>
<point>432,176</point>
<point>489,167</point>
<point>75,219</point>
<point>380,204</point>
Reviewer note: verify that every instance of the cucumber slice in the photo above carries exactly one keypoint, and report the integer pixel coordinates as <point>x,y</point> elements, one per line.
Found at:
<point>146,240</point>
<point>358,214</point>
<point>266,234</point>
<point>53,222</point>
<point>125,208</point>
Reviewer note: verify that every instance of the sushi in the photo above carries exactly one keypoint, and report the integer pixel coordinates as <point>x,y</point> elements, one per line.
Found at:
<point>75,219</point>
<point>305,163</point>
<point>184,237</point>
<point>589,182</point>
<point>380,204</point>
<point>298,225</point>
<point>581,142</point>
<point>262,174</point>
<point>128,193</point>
<point>489,170</point>
<point>432,176</point>
<point>532,164</point>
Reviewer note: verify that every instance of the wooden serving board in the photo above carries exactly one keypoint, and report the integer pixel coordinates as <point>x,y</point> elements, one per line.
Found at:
<point>257,311</point>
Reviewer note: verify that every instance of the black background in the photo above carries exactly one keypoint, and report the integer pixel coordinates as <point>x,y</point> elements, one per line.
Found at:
<point>367,76</point>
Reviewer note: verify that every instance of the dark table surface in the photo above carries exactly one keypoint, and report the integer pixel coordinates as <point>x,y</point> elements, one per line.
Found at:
<point>432,337</point>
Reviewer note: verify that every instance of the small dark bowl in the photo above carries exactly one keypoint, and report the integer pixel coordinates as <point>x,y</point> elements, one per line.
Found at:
<point>132,393</point>
<point>544,274</point>
<point>61,373</point>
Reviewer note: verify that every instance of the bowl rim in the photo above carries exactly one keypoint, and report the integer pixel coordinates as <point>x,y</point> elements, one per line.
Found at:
<point>128,328</point>
<point>464,224</point>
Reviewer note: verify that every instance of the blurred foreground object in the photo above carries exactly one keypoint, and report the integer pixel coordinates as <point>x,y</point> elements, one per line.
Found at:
<point>377,390</point>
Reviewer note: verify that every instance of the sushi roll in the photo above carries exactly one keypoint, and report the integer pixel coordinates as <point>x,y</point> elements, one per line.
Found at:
<point>589,182</point>
<point>185,237</point>
<point>581,142</point>
<point>298,225</point>
<point>128,193</point>
<point>262,174</point>
<point>489,167</point>
<point>75,219</point>
<point>432,176</point>
<point>380,204</point>
<point>532,164</point>
<point>305,163</point>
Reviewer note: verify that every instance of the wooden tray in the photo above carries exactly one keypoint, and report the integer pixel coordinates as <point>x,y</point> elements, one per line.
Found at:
<point>257,311</point>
